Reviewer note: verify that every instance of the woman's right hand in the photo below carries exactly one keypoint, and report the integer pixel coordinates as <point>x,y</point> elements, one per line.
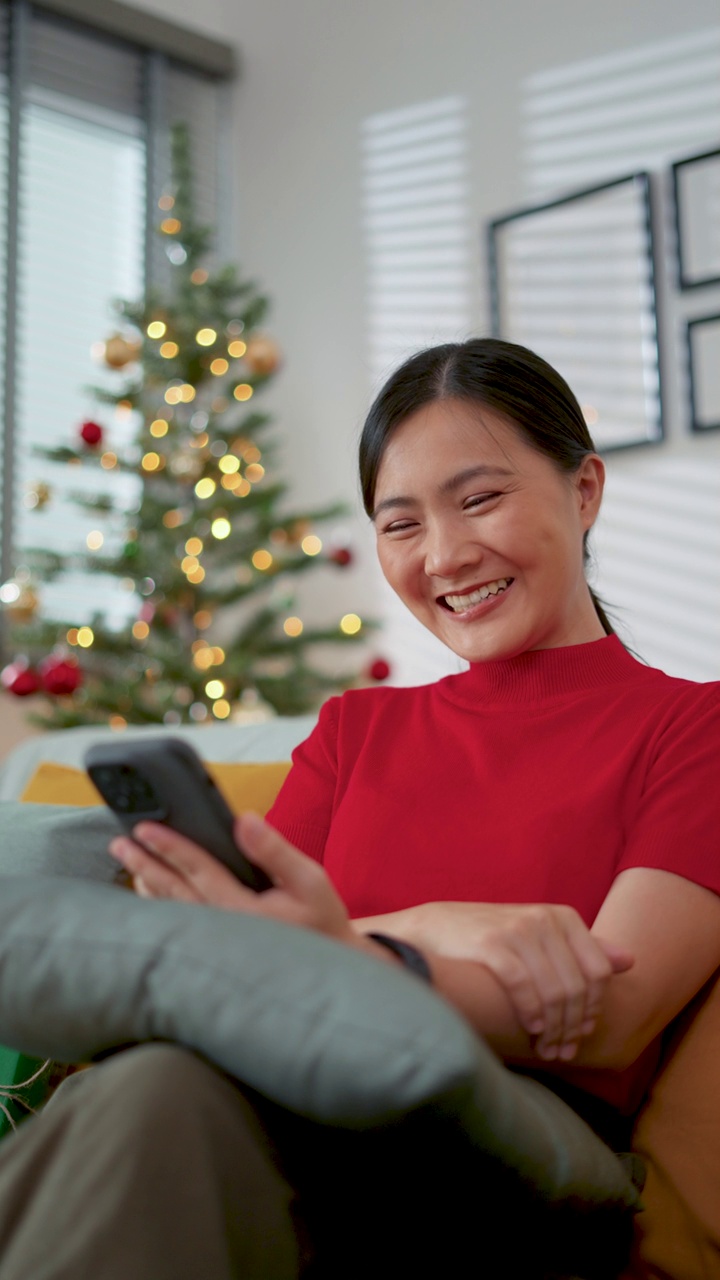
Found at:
<point>552,968</point>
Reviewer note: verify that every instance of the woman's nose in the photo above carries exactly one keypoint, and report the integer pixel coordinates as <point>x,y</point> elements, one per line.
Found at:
<point>448,551</point>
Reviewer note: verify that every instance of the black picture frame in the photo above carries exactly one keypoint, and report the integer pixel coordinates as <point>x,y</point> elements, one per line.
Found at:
<point>598,238</point>
<point>696,187</point>
<point>703,367</point>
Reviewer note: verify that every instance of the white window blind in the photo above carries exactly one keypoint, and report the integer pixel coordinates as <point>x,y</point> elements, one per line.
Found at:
<point>95,122</point>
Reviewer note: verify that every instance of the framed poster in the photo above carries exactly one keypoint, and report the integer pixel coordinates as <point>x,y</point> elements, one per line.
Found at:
<point>574,280</point>
<point>703,348</point>
<point>696,186</point>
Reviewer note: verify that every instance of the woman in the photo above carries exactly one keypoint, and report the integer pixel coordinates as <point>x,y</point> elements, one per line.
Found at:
<point>536,832</point>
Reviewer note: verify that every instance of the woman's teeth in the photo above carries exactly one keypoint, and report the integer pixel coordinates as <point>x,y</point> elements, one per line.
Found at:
<point>460,603</point>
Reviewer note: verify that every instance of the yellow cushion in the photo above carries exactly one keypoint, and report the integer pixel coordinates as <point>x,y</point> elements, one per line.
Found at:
<point>245,786</point>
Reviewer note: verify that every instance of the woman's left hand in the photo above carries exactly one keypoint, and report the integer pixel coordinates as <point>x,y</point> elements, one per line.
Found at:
<point>170,866</point>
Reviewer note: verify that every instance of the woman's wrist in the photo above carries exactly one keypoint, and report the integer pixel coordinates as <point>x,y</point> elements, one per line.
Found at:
<point>409,956</point>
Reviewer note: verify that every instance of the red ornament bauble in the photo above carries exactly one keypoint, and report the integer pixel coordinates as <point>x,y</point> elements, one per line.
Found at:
<point>341,556</point>
<point>91,433</point>
<point>20,678</point>
<point>60,675</point>
<point>147,612</point>
<point>379,669</point>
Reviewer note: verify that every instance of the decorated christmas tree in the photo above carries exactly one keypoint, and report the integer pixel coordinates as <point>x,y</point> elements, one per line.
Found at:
<point>208,551</point>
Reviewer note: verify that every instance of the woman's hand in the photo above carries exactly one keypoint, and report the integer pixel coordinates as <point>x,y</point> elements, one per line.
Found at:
<point>166,865</point>
<point>553,970</point>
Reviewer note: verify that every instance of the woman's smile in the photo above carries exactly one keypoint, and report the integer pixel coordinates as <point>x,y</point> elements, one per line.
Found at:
<point>481,535</point>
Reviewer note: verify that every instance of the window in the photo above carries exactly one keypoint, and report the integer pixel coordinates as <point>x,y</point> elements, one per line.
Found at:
<point>84,134</point>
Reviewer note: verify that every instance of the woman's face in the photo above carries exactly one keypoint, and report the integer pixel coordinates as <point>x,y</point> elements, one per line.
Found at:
<point>481,536</point>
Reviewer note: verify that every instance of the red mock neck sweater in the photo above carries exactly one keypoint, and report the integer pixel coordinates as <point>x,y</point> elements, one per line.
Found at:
<point>530,779</point>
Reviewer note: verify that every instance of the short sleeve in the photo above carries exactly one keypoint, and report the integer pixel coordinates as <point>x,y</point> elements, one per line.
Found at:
<point>676,825</point>
<point>304,807</point>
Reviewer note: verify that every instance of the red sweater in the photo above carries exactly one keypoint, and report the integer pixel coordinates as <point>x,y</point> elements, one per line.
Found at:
<point>532,779</point>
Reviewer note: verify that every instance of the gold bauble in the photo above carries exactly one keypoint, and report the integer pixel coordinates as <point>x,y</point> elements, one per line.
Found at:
<point>120,350</point>
<point>262,356</point>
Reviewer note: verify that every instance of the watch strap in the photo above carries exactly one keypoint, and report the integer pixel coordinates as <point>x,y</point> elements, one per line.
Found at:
<point>413,959</point>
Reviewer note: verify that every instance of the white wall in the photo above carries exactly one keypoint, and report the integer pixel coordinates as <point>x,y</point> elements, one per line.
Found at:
<point>312,72</point>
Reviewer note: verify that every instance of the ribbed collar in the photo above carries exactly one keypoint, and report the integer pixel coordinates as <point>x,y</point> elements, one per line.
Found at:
<point>544,674</point>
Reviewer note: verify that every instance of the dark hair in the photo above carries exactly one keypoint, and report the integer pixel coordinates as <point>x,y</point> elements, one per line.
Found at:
<point>502,376</point>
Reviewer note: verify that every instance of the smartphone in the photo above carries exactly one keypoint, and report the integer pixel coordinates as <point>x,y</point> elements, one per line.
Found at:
<point>164,780</point>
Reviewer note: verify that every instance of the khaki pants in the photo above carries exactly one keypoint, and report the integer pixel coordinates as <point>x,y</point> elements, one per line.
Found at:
<point>155,1166</point>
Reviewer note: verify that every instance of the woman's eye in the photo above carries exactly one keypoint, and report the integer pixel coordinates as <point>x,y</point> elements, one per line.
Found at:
<point>399,526</point>
<point>479,499</point>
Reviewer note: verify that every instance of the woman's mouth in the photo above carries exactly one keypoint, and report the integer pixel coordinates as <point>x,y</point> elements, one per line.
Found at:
<point>457,603</point>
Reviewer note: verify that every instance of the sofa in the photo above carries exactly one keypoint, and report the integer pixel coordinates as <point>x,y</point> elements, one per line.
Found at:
<point>677,1132</point>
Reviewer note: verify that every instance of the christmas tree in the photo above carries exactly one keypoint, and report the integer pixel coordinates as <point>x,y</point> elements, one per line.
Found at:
<point>207,550</point>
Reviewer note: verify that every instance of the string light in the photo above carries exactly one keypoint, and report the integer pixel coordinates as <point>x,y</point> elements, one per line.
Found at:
<point>140,630</point>
<point>243,489</point>
<point>85,637</point>
<point>221,709</point>
<point>188,563</point>
<point>196,575</point>
<point>172,519</point>
<point>206,487</point>
<point>172,395</point>
<point>229,464</point>
<point>156,329</point>
<point>292,627</point>
<point>350,624</point>
<point>166,202</point>
<point>72,636</point>
<point>254,473</point>
<point>200,441</point>
<point>311,545</point>
<point>203,658</point>
<point>251,453</point>
<point>232,481</point>
<point>150,461</point>
<point>205,337</point>
<point>159,428</point>
<point>199,275</point>
<point>194,546</point>
<point>218,655</point>
<point>219,366</point>
<point>94,540</point>
<point>237,349</point>
<point>168,350</point>
<point>243,391</point>
<point>262,559</point>
<point>170,226</point>
<point>187,392</point>
<point>118,723</point>
<point>214,689</point>
<point>202,619</point>
<point>221,528</point>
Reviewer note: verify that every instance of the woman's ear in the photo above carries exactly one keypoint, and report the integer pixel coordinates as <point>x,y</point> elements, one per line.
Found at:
<point>590,481</point>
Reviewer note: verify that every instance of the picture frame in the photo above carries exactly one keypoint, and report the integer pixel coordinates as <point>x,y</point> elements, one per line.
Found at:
<point>696,202</point>
<point>703,363</point>
<point>574,279</point>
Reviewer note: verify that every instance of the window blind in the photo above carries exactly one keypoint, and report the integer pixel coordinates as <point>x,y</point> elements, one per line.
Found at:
<point>94,155</point>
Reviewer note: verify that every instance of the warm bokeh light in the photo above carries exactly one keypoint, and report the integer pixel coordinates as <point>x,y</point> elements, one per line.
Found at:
<point>237,348</point>
<point>214,688</point>
<point>221,709</point>
<point>251,453</point>
<point>205,488</point>
<point>242,489</point>
<point>198,711</point>
<point>218,655</point>
<point>262,559</point>
<point>188,563</point>
<point>159,428</point>
<point>150,461</point>
<point>196,575</point>
<point>221,528</point>
<point>140,630</point>
<point>243,391</point>
<point>205,337</point>
<point>311,545</point>
<point>170,226</point>
<point>202,659</point>
<point>232,481</point>
<point>118,723</point>
<point>350,624</point>
<point>199,275</point>
<point>219,366</point>
<point>94,540</point>
<point>200,441</point>
<point>108,460</point>
<point>172,395</point>
<point>156,329</point>
<point>72,635</point>
<point>194,546</point>
<point>292,626</point>
<point>168,350</point>
<point>229,464</point>
<point>187,392</point>
<point>85,637</point>
<point>166,202</point>
<point>202,619</point>
<point>172,519</point>
<point>254,473</point>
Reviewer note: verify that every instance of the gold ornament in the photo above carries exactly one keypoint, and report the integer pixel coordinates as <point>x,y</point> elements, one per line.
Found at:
<point>37,496</point>
<point>120,350</point>
<point>262,356</point>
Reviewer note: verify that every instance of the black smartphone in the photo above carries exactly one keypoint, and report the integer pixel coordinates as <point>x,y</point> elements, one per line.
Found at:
<point>164,780</point>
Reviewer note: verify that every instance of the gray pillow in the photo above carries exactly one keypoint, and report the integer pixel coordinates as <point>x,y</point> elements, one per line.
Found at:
<point>56,840</point>
<point>332,1034</point>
